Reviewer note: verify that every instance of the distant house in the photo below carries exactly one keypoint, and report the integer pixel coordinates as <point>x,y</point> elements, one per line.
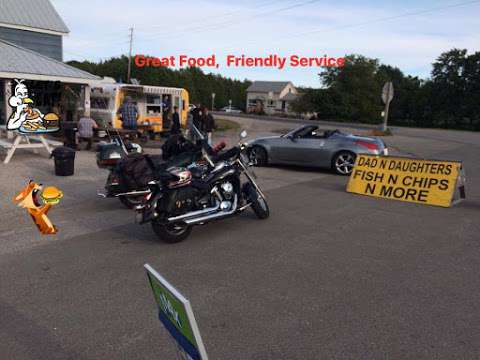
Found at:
<point>31,48</point>
<point>270,97</point>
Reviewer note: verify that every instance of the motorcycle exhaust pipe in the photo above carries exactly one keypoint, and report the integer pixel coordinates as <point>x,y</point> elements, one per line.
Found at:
<point>134,193</point>
<point>216,215</point>
<point>195,213</point>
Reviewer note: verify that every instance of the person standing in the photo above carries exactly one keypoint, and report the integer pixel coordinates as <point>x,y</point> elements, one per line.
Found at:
<point>129,114</point>
<point>85,130</point>
<point>176,128</point>
<point>189,134</point>
<point>197,119</point>
<point>208,124</point>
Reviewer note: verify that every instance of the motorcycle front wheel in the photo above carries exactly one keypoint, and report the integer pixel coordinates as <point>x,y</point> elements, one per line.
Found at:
<point>171,233</point>
<point>259,204</point>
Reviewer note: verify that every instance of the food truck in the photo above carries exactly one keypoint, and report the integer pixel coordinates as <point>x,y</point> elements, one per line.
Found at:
<point>155,105</point>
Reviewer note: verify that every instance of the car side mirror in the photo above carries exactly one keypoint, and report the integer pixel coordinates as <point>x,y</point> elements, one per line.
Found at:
<point>292,138</point>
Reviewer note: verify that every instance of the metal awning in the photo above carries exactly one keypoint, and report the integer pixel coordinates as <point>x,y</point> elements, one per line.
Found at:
<point>20,63</point>
<point>160,90</point>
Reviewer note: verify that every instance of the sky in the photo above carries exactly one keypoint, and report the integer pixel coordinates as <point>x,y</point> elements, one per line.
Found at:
<point>407,34</point>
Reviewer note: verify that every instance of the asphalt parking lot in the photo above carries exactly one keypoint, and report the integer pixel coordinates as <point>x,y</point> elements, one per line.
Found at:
<point>330,275</point>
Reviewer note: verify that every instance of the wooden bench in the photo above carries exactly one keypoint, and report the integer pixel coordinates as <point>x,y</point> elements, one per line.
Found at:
<point>49,141</point>
<point>33,142</point>
<point>5,144</point>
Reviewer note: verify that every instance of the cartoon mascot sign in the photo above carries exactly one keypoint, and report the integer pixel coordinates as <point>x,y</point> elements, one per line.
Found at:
<point>27,119</point>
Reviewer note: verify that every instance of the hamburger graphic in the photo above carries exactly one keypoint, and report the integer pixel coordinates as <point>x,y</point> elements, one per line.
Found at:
<point>51,120</point>
<point>25,117</point>
<point>51,195</point>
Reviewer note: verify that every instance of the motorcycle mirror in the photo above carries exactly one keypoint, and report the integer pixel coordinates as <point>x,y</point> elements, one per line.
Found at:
<point>243,134</point>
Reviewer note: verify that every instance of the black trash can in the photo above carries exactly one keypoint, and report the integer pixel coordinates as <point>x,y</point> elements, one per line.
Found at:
<point>64,161</point>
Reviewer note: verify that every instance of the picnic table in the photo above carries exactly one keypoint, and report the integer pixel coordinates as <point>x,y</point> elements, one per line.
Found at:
<point>25,141</point>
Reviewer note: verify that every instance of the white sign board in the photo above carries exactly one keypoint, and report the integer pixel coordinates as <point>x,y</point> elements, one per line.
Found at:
<point>387,92</point>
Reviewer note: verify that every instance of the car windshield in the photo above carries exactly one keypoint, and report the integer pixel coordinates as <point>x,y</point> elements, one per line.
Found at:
<point>301,131</point>
<point>311,131</point>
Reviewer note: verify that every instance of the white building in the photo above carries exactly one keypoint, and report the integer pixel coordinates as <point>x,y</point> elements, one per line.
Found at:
<point>270,97</point>
<point>31,48</point>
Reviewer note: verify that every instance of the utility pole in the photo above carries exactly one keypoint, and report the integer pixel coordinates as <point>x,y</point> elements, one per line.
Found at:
<point>129,71</point>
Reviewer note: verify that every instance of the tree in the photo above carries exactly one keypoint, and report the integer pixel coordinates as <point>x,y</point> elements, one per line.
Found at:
<point>355,89</point>
<point>199,85</point>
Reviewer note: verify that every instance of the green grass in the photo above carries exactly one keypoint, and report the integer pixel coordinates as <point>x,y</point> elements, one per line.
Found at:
<point>226,125</point>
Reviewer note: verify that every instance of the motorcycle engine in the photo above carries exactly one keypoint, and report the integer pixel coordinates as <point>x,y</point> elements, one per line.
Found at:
<point>227,190</point>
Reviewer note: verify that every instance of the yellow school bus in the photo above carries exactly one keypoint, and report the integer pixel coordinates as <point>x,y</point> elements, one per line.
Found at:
<point>155,105</point>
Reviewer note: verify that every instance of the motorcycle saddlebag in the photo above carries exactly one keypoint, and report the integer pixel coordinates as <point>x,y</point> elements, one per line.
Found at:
<point>109,154</point>
<point>136,171</point>
<point>180,201</point>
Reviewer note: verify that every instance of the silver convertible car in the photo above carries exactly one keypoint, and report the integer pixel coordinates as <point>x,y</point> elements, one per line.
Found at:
<point>307,146</point>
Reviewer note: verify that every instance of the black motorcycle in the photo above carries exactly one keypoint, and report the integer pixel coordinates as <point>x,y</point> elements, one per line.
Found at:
<point>130,170</point>
<point>182,197</point>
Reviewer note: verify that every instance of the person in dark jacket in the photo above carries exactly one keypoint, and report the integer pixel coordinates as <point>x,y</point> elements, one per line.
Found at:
<point>197,118</point>
<point>208,124</point>
<point>175,130</point>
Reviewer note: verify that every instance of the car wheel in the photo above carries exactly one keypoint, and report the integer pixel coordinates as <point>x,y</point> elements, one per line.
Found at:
<point>258,156</point>
<point>343,162</point>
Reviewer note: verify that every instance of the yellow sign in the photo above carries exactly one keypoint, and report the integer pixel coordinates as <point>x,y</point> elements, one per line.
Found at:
<point>429,182</point>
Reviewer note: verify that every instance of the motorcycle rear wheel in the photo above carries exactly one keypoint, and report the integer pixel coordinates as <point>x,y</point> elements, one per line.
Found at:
<point>130,202</point>
<point>171,233</point>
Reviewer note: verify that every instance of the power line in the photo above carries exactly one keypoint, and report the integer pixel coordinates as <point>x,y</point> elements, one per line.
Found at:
<point>194,31</point>
<point>378,20</point>
<point>107,38</point>
<point>216,17</point>
<point>407,14</point>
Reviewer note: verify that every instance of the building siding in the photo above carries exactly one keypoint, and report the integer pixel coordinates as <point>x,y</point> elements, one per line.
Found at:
<point>45,44</point>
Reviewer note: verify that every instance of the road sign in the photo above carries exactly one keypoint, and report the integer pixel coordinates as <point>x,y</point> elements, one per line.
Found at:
<point>175,313</point>
<point>387,96</point>
<point>430,182</point>
<point>387,92</point>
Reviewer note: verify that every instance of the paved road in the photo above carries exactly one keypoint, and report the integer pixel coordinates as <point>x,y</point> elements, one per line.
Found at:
<point>330,275</point>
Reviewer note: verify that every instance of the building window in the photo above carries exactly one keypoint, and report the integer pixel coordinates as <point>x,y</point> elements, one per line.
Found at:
<point>99,103</point>
<point>252,102</point>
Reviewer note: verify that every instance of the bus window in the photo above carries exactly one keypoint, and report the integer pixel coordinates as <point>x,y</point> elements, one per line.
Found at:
<point>99,103</point>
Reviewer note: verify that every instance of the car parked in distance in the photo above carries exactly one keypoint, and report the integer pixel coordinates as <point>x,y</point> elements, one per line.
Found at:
<point>308,146</point>
<point>231,109</point>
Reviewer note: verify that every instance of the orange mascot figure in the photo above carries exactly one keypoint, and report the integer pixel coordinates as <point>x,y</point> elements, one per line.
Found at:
<point>37,203</point>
